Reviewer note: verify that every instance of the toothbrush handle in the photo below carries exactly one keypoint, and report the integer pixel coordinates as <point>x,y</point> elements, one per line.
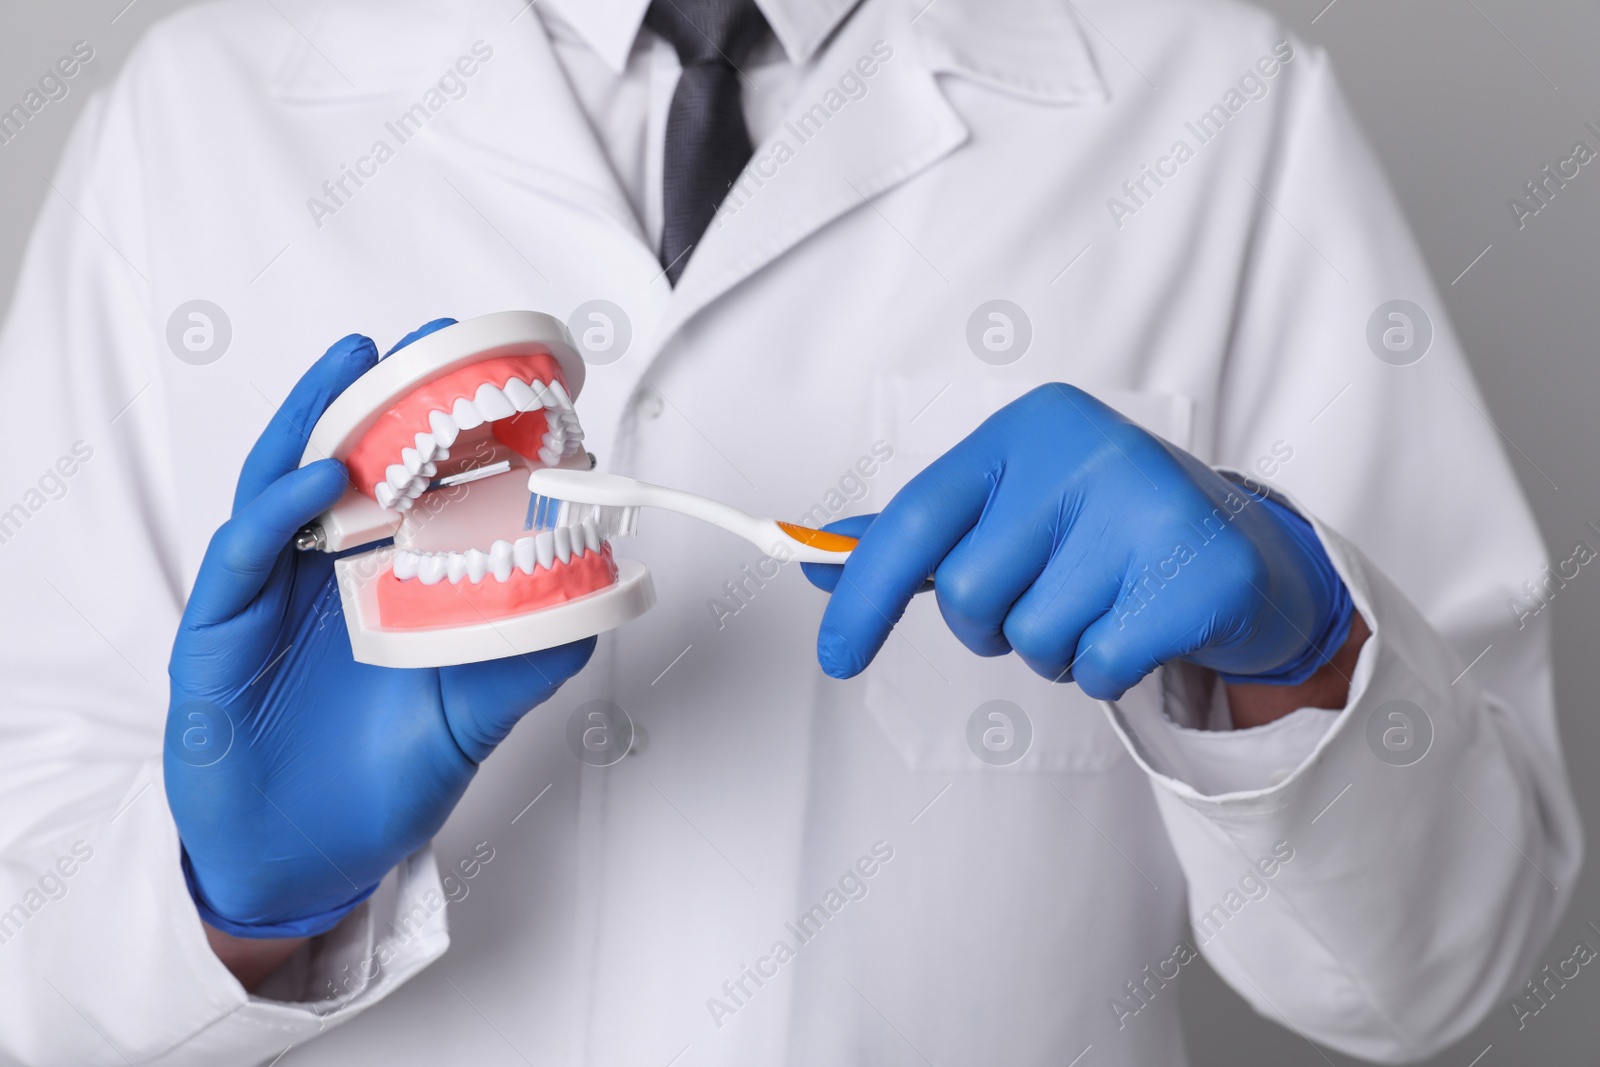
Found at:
<point>699,507</point>
<point>785,540</point>
<point>780,540</point>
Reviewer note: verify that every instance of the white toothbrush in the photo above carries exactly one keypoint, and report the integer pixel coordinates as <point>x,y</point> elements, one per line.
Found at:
<point>616,501</point>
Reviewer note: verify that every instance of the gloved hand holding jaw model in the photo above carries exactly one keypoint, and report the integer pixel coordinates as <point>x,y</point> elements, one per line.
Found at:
<point>297,776</point>
<point>1094,550</point>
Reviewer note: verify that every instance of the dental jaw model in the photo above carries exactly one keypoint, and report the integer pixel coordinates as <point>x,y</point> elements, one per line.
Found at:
<point>439,439</point>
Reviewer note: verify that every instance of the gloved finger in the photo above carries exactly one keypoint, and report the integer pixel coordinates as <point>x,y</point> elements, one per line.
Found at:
<point>279,448</point>
<point>245,548</point>
<point>419,333</point>
<point>1046,625</point>
<point>1170,608</point>
<point>898,553</point>
<point>1113,656</point>
<point>997,561</point>
<point>483,701</point>
<point>826,575</point>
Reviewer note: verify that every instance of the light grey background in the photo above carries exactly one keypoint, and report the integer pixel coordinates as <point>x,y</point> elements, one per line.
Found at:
<point>1465,100</point>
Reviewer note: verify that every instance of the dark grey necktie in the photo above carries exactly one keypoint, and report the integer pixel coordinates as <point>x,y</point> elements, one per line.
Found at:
<point>707,143</point>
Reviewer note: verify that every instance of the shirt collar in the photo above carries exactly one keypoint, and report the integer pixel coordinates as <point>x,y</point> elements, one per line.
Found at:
<point>609,27</point>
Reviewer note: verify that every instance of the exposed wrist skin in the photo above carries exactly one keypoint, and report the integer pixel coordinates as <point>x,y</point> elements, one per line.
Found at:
<point>1257,705</point>
<point>251,959</point>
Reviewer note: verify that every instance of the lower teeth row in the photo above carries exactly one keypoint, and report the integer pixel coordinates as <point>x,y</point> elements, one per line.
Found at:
<point>543,549</point>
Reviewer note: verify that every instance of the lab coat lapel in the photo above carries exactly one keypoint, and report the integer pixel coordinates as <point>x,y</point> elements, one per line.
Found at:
<point>518,120</point>
<point>818,167</point>
<point>831,155</point>
<point>536,136</point>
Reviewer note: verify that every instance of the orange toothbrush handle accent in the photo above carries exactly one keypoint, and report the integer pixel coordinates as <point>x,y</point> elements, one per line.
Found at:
<point>828,542</point>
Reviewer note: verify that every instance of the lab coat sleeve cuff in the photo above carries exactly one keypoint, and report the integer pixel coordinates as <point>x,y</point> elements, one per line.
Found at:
<point>385,940</point>
<point>1349,868</point>
<point>1177,721</point>
<point>132,977</point>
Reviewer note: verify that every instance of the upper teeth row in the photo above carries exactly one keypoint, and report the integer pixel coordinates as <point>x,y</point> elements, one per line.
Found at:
<point>541,549</point>
<point>408,479</point>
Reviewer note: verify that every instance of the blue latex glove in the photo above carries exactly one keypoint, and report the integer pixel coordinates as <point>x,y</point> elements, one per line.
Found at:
<point>1094,550</point>
<point>297,776</point>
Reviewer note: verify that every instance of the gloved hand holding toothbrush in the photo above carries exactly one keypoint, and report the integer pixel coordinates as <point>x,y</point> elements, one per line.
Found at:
<point>1094,550</point>
<point>297,776</point>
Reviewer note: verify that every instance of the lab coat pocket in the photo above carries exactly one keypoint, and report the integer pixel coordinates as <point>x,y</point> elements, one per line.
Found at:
<point>941,707</point>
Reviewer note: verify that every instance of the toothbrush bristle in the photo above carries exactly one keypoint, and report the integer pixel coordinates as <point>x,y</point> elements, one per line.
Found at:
<point>547,513</point>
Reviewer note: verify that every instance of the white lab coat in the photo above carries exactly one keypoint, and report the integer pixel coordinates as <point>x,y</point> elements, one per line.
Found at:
<point>1028,913</point>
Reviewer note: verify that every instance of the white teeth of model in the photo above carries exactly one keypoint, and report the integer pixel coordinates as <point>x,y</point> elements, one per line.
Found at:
<point>416,487</point>
<point>477,565</point>
<point>550,458</point>
<point>561,396</point>
<point>521,396</point>
<point>542,394</point>
<point>544,546</point>
<point>455,567</point>
<point>493,403</point>
<point>385,494</point>
<point>426,447</point>
<point>412,459</point>
<point>500,560</point>
<point>563,536</point>
<point>444,428</point>
<point>591,536</point>
<point>397,474</point>
<point>440,455</point>
<point>404,503</point>
<point>523,555</point>
<point>429,470</point>
<point>405,565</point>
<point>466,414</point>
<point>430,568</point>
